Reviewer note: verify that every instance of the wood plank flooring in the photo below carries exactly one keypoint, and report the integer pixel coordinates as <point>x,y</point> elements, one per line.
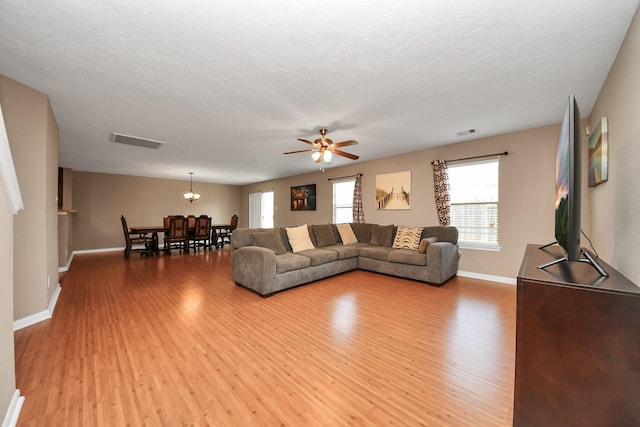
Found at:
<point>171,341</point>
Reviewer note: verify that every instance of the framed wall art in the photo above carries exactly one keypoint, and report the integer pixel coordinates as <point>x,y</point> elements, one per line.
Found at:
<point>599,154</point>
<point>393,190</point>
<point>303,198</point>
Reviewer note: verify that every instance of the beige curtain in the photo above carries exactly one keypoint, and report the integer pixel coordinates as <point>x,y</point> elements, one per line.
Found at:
<point>441,190</point>
<point>358,209</point>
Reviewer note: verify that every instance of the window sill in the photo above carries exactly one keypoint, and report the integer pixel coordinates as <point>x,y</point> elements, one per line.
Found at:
<point>479,246</point>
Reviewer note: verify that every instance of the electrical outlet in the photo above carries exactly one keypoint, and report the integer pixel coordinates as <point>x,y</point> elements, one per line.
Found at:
<point>48,282</point>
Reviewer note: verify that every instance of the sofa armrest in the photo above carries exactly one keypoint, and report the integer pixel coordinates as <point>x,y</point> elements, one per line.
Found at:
<point>442,262</point>
<point>255,268</point>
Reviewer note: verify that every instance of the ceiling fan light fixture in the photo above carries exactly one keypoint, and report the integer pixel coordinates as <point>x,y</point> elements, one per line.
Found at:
<point>324,148</point>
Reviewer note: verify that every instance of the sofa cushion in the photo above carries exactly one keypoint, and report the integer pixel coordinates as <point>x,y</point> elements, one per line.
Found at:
<point>382,235</point>
<point>424,244</point>
<point>362,231</point>
<point>336,234</point>
<point>375,252</point>
<point>269,239</point>
<point>299,238</point>
<point>343,251</point>
<point>289,262</point>
<point>319,256</point>
<point>346,234</point>
<point>324,235</point>
<point>285,238</point>
<point>243,237</point>
<point>407,256</point>
<point>407,238</point>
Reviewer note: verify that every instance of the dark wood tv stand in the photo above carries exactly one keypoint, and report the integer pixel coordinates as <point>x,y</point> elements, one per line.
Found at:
<point>577,345</point>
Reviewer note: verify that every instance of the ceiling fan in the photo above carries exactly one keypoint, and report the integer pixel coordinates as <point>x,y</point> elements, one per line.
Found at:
<point>324,148</point>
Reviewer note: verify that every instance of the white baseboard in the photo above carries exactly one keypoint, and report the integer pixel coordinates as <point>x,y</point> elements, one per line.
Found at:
<point>86,251</point>
<point>66,267</point>
<point>54,299</point>
<point>94,251</point>
<point>39,317</point>
<point>499,279</point>
<point>13,412</point>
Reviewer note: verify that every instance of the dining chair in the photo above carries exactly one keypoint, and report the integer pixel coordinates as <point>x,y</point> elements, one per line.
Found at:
<point>177,236</point>
<point>135,242</point>
<point>224,234</point>
<point>201,236</point>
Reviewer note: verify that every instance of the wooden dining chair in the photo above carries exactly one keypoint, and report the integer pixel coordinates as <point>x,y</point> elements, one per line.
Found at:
<point>224,234</point>
<point>135,242</point>
<point>201,236</point>
<point>177,236</point>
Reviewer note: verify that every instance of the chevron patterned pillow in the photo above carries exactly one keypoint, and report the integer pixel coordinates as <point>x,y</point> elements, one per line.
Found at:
<point>407,238</point>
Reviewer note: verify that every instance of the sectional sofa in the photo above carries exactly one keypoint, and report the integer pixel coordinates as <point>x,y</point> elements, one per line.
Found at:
<point>270,260</point>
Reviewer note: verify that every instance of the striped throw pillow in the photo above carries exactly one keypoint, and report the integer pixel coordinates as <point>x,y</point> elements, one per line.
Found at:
<point>407,238</point>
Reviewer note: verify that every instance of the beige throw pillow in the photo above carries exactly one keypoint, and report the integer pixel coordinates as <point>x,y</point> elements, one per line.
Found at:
<point>299,238</point>
<point>346,234</point>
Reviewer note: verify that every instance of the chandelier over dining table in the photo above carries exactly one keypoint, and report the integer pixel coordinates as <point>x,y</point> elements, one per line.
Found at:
<point>191,196</point>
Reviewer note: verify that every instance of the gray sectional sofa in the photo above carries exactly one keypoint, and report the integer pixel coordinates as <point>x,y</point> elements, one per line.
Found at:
<point>264,261</point>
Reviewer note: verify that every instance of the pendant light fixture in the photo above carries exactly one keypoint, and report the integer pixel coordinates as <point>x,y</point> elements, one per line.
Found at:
<point>191,196</point>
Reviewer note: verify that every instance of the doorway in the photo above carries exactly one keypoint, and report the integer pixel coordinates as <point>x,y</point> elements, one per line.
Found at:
<point>261,209</point>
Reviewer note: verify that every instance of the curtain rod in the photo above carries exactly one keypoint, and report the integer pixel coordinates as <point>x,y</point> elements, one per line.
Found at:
<point>505,153</point>
<point>342,177</point>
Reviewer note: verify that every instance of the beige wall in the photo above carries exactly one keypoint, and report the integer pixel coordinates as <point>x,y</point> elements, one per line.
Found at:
<point>65,223</point>
<point>526,194</point>
<point>65,219</point>
<point>615,205</point>
<point>100,199</point>
<point>51,201</point>
<point>33,138</point>
<point>7,365</point>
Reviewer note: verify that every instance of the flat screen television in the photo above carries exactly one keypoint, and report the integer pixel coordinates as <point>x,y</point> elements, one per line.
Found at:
<point>568,183</point>
<point>568,190</point>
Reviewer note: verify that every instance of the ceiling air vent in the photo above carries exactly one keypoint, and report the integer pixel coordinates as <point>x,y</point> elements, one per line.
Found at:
<point>467,132</point>
<point>134,140</point>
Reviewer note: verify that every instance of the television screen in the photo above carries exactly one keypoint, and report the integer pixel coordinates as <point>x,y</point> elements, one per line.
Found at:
<point>568,183</point>
<point>567,204</point>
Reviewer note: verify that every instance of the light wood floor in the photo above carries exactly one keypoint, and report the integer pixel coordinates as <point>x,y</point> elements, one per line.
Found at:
<point>171,340</point>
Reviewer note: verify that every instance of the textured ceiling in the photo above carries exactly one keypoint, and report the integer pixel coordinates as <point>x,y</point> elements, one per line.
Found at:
<point>230,85</point>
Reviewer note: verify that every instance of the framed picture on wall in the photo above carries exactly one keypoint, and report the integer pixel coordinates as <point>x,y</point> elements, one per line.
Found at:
<point>303,198</point>
<point>393,190</point>
<point>599,154</point>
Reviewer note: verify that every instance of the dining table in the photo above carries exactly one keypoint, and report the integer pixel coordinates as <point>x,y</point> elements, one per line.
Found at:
<point>155,229</point>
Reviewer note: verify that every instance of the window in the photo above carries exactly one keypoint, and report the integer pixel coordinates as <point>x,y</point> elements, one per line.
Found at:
<point>343,200</point>
<point>473,190</point>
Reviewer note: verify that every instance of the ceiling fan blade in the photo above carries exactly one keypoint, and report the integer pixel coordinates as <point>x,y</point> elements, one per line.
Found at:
<point>298,151</point>
<point>307,141</point>
<point>345,154</point>
<point>345,143</point>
